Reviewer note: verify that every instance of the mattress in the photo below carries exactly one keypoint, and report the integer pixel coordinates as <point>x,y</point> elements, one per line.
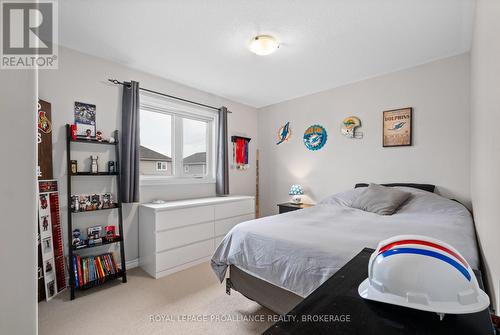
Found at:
<point>299,250</point>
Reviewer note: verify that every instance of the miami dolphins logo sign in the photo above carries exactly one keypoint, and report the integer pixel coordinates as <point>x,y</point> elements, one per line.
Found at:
<point>315,137</point>
<point>284,133</point>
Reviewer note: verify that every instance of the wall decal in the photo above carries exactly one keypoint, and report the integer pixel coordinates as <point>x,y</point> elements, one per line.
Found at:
<point>349,125</point>
<point>284,133</point>
<point>315,137</point>
<point>397,127</point>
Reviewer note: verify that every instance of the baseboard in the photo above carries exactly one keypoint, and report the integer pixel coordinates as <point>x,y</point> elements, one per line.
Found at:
<point>133,263</point>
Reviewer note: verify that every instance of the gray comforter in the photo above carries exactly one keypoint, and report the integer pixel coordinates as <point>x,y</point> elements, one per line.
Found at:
<point>299,250</point>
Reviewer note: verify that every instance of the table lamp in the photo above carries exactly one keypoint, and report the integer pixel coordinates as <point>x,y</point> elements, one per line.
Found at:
<point>296,191</point>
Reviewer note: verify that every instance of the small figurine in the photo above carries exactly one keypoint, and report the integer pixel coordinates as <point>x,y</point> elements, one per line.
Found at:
<point>94,235</point>
<point>77,241</point>
<point>106,200</point>
<point>98,136</point>
<point>96,203</point>
<point>74,167</point>
<point>111,167</point>
<point>88,203</point>
<point>93,165</point>
<point>83,203</point>
<point>110,233</point>
<point>48,266</point>
<point>111,139</point>
<point>75,203</point>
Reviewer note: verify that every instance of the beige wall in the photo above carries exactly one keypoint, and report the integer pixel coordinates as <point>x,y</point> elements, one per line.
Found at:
<point>81,77</point>
<point>485,137</point>
<point>18,221</point>
<point>439,94</point>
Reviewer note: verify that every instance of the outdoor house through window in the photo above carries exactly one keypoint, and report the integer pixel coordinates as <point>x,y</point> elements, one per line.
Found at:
<point>177,142</point>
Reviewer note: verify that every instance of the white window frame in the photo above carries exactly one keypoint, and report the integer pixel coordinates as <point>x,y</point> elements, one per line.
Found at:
<point>178,111</point>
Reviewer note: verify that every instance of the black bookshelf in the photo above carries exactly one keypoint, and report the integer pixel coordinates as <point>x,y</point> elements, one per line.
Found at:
<point>122,273</point>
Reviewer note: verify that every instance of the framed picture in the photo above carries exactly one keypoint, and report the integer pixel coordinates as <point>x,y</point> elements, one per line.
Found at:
<point>397,127</point>
<point>85,119</point>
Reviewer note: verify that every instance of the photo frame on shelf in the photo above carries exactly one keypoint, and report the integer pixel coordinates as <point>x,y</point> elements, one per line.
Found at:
<point>85,119</point>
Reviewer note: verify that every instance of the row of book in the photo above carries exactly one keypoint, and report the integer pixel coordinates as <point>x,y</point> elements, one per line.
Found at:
<point>93,268</point>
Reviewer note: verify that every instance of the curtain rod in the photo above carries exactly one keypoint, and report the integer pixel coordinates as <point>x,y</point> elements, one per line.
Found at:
<point>114,81</point>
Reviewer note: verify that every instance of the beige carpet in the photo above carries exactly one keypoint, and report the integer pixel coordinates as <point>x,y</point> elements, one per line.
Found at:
<point>173,302</point>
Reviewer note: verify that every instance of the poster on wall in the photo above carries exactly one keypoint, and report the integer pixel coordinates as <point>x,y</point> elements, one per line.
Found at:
<point>85,119</point>
<point>398,127</point>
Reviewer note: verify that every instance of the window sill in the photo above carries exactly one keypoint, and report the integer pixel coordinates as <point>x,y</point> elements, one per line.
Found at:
<point>156,181</point>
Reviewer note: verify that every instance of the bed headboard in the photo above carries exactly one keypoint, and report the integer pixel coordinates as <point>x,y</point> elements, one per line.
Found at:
<point>424,187</point>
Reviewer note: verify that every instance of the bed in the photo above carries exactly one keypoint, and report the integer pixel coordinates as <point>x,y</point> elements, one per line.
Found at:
<point>279,260</point>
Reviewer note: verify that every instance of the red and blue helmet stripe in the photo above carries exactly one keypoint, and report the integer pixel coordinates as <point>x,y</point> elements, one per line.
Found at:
<point>398,247</point>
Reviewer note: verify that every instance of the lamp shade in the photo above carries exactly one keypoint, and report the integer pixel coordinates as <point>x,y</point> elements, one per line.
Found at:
<point>296,190</point>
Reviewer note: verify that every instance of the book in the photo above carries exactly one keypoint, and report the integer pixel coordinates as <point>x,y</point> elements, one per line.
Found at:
<point>79,264</point>
<point>75,269</point>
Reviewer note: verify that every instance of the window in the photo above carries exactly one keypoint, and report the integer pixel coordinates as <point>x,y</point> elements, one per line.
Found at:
<point>194,144</point>
<point>161,166</point>
<point>177,142</point>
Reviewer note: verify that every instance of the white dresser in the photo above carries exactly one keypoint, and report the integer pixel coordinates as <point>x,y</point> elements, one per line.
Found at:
<point>179,234</point>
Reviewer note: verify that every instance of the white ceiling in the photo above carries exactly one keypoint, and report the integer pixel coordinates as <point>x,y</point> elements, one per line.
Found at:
<point>324,43</point>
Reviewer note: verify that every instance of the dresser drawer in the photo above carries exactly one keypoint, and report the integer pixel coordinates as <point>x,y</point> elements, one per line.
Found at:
<point>236,208</point>
<point>185,235</point>
<point>183,217</point>
<point>225,225</point>
<point>172,258</point>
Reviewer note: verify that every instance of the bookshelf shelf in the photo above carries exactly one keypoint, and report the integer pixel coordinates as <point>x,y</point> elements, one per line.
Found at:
<point>121,272</point>
<point>115,205</point>
<point>91,141</point>
<point>94,174</point>
<point>116,240</point>
<point>98,282</point>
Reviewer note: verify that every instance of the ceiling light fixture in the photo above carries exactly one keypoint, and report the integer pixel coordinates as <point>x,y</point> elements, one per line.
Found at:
<point>264,45</point>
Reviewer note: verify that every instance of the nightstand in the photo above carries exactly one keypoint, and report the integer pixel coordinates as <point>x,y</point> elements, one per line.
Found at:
<point>289,207</point>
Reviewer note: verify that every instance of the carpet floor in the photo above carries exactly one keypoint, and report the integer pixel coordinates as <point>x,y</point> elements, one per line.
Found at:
<point>187,302</point>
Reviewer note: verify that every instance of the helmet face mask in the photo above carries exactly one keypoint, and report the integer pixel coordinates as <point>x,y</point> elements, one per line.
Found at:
<point>422,273</point>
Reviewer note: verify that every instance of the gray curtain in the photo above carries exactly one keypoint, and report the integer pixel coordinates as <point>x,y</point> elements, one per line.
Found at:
<point>129,144</point>
<point>222,169</point>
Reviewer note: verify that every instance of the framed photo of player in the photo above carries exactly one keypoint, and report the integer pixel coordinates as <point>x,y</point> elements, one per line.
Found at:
<point>85,120</point>
<point>397,127</point>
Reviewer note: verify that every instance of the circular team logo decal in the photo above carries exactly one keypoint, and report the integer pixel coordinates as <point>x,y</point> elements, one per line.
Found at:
<point>315,137</point>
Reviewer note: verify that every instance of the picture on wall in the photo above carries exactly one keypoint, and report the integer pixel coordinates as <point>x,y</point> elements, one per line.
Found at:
<point>397,127</point>
<point>85,119</point>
